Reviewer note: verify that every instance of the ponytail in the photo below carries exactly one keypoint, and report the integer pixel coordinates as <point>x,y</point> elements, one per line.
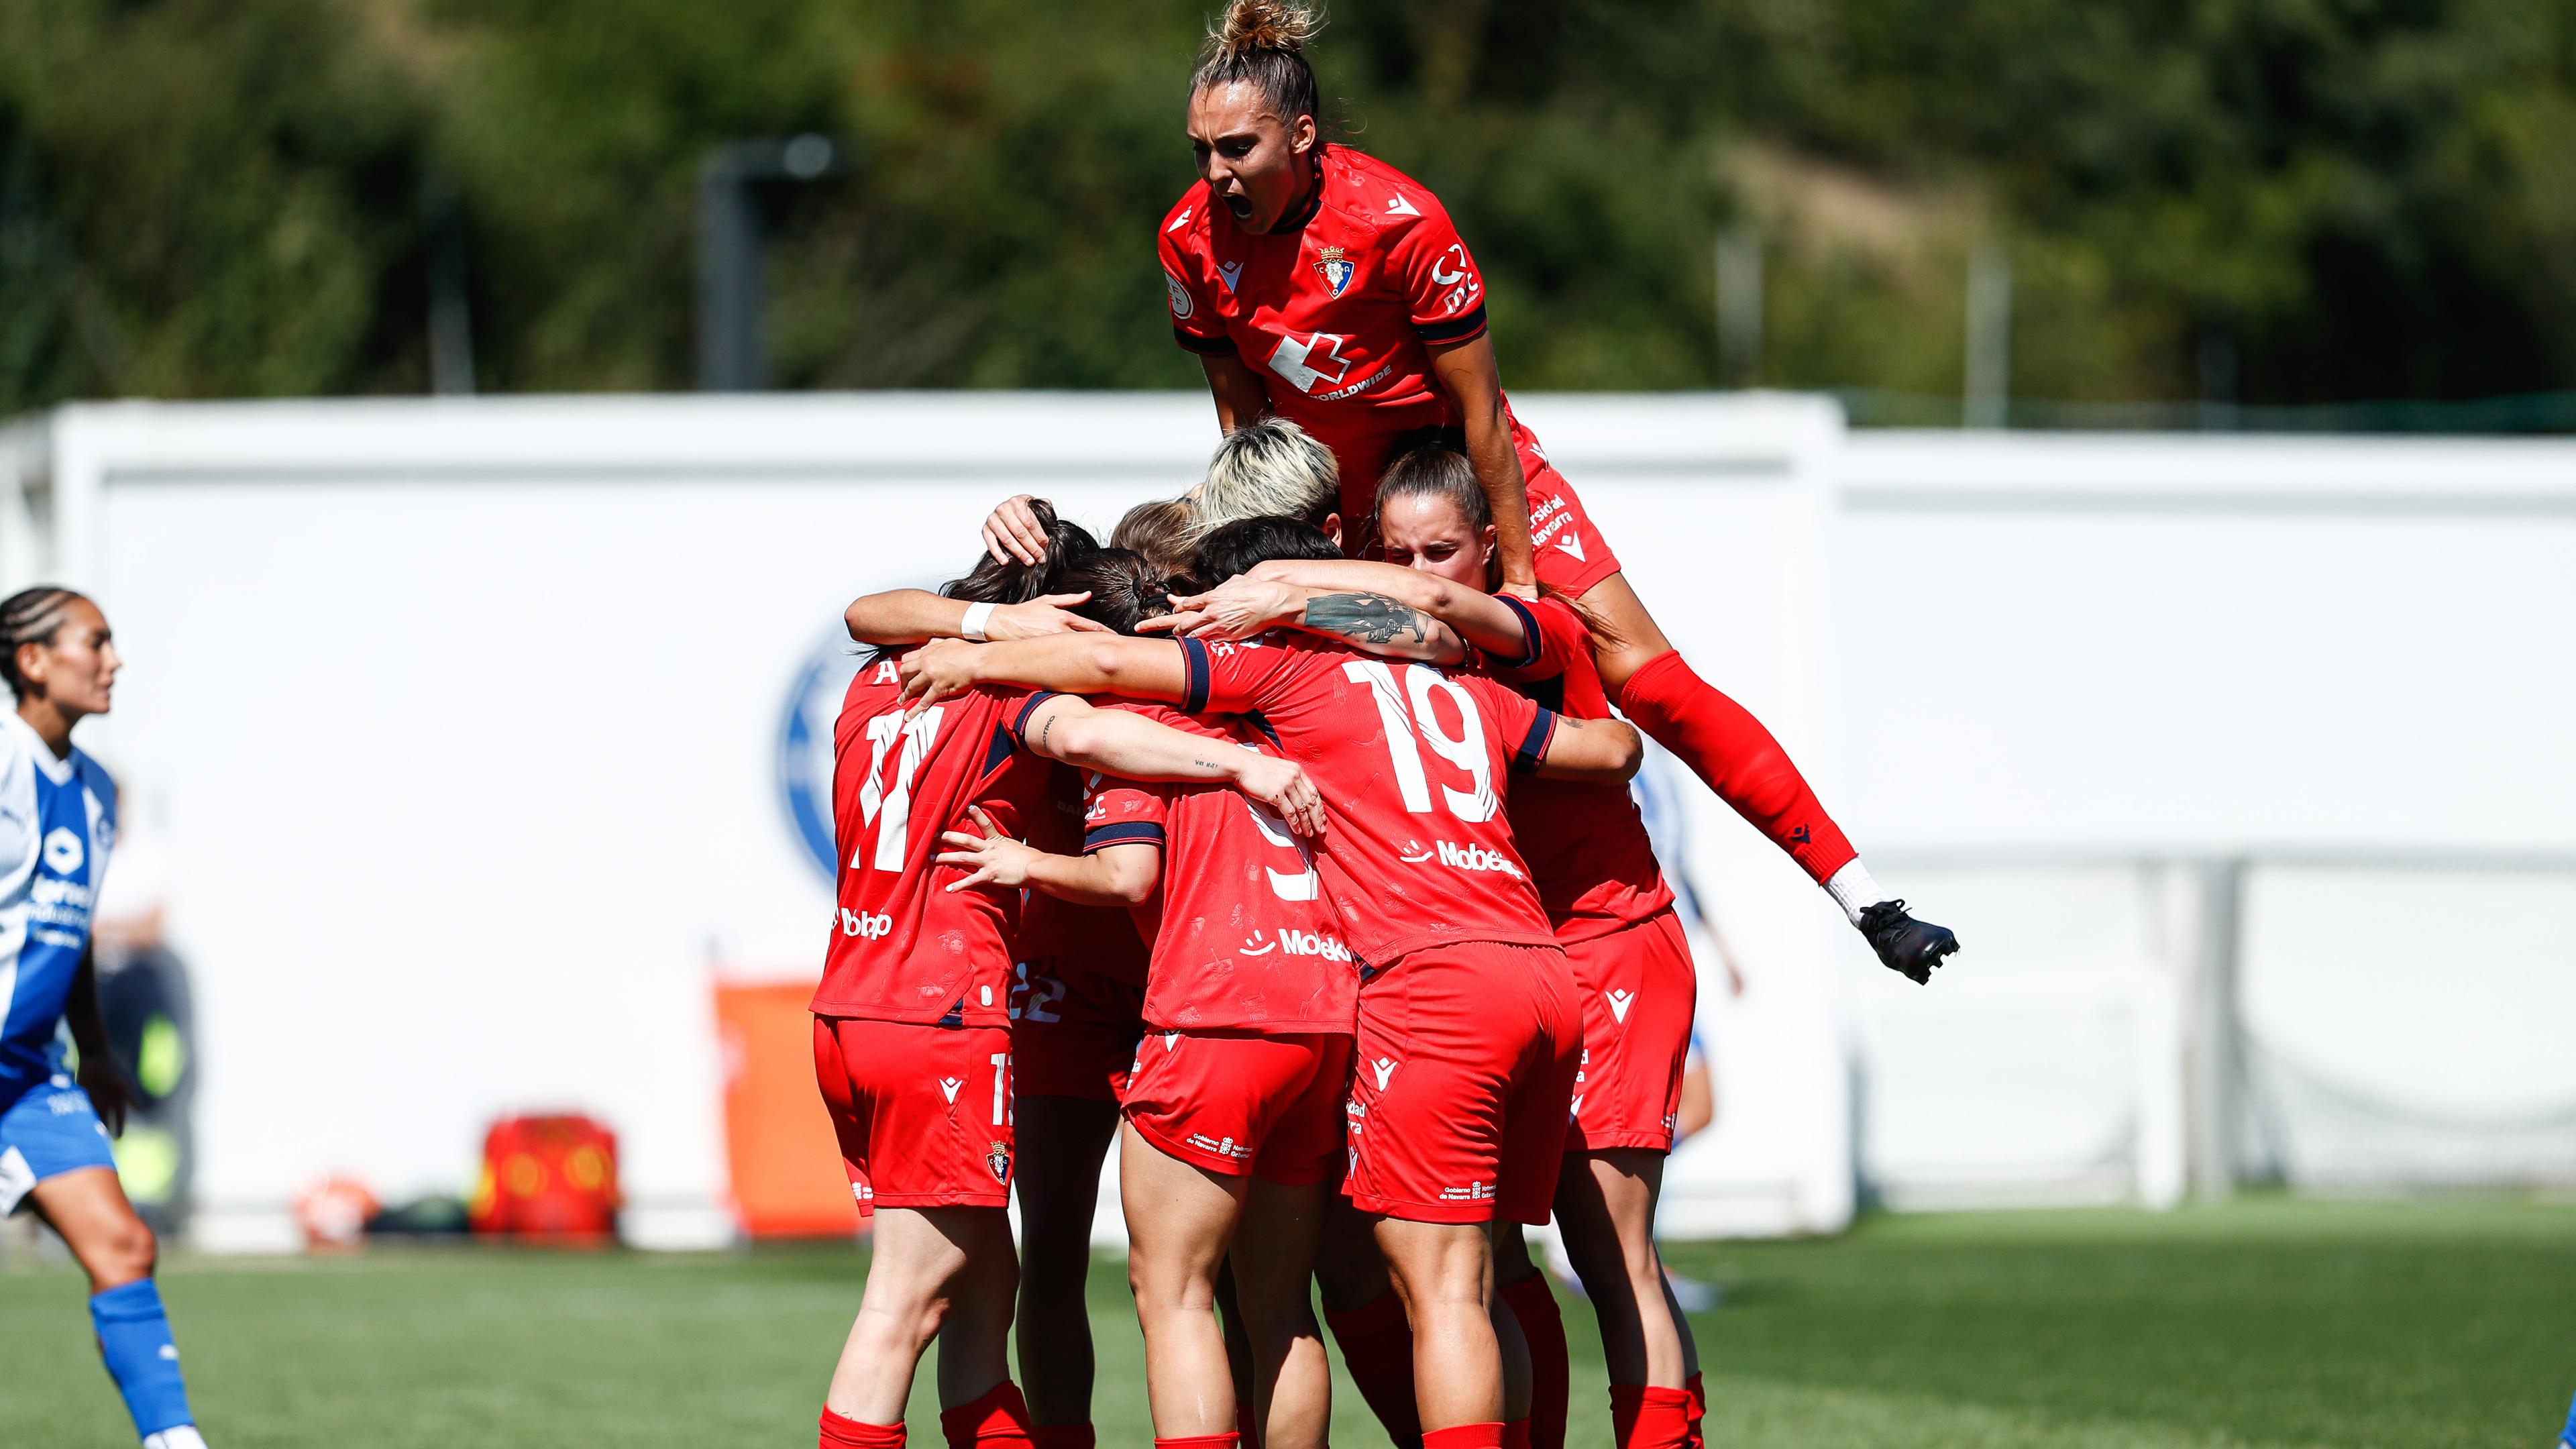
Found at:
<point>1264,42</point>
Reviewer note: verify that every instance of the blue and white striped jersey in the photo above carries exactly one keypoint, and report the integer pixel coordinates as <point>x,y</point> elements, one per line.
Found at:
<point>57,823</point>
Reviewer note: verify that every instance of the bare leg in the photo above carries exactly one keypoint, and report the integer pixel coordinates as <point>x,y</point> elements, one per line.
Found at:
<point>1061,1143</point>
<point>1445,1272</point>
<point>1605,1202</point>
<point>1274,1258</point>
<point>1512,1265</point>
<point>1180,1218</point>
<point>87,1207</point>
<point>926,1263</point>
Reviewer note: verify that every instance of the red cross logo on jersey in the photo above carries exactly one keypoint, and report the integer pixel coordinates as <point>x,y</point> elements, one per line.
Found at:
<point>1305,360</point>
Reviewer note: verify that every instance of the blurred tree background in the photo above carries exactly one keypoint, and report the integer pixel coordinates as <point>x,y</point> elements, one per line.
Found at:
<point>2266,202</point>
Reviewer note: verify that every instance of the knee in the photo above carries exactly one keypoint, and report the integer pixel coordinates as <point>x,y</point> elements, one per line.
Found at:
<point>121,1255</point>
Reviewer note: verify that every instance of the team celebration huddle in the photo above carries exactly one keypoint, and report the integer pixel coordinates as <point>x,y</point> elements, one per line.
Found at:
<point>1282,842</point>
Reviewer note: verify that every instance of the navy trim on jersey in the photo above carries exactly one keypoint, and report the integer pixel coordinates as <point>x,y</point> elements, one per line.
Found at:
<point>1194,664</point>
<point>1210,346</point>
<point>1535,643</point>
<point>1534,744</point>
<point>1028,706</point>
<point>1124,832</point>
<point>998,754</point>
<point>1453,329</point>
<point>1261,722</point>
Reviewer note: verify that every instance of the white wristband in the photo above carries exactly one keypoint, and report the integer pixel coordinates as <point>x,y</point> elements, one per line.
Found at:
<point>972,626</point>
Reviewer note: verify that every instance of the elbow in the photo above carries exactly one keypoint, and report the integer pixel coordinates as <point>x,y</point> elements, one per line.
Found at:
<point>1632,753</point>
<point>1077,741</point>
<point>854,619</point>
<point>1133,887</point>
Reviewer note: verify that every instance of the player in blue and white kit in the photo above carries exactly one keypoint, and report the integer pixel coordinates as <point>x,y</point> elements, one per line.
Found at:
<point>57,824</point>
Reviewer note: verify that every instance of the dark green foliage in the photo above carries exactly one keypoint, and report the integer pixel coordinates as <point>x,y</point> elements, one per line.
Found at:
<point>2331,199</point>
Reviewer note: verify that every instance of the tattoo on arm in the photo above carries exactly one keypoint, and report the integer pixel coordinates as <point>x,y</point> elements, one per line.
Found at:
<point>1044,731</point>
<point>1366,618</point>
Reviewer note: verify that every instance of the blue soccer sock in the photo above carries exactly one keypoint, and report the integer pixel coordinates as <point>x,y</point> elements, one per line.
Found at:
<point>134,1338</point>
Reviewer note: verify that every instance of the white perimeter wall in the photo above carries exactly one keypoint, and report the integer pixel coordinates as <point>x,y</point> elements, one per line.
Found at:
<point>457,722</point>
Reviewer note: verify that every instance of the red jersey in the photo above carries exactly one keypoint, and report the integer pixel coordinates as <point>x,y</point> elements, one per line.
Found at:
<point>1335,307</point>
<point>1586,845</point>
<point>1060,933</point>
<point>1244,939</point>
<point>1412,764</point>
<point>905,948</point>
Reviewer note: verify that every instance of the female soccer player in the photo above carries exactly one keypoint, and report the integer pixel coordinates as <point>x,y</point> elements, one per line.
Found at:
<point>1321,284</point>
<point>57,823</point>
<point>1468,1026</point>
<point>1233,1136</point>
<point>1611,909</point>
<point>912,1045</point>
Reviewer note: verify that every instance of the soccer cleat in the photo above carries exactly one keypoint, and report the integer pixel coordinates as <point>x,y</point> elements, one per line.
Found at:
<point>1906,946</point>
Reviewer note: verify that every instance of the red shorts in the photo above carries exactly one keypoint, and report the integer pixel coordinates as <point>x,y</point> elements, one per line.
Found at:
<point>1073,1032</point>
<point>1237,1102</point>
<point>1639,993</point>
<point>923,1112</point>
<point>1466,1060</point>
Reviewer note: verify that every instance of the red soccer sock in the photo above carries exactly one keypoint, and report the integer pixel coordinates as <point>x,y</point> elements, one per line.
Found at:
<point>1534,1304</point>
<point>1377,1347</point>
<point>1698,1409</point>
<point>1464,1436</point>
<point>840,1433</point>
<point>1649,1418</point>
<point>1063,1436</point>
<point>1202,1441</point>
<point>1729,749</point>
<point>998,1420</point>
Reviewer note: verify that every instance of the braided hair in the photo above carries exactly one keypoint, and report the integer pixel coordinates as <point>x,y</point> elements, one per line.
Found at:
<point>30,616</point>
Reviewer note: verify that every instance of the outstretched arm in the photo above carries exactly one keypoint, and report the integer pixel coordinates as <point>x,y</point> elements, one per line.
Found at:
<point>1480,618</point>
<point>1605,751</point>
<point>1116,742</point>
<point>910,616</point>
<point>1104,664</point>
<point>1242,607</point>
<point>1468,376</point>
<point>1117,875</point>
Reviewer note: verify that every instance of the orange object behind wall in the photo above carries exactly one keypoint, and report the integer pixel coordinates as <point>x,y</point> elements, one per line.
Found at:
<point>787,1178</point>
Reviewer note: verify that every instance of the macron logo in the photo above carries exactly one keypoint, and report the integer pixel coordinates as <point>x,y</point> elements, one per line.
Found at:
<point>1384,1069</point>
<point>1619,1001</point>
<point>1572,545</point>
<point>1398,206</point>
<point>1477,858</point>
<point>1181,220</point>
<point>950,1086</point>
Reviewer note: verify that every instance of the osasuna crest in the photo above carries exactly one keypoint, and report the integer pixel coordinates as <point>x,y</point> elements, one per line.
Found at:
<point>1336,268</point>
<point>998,1158</point>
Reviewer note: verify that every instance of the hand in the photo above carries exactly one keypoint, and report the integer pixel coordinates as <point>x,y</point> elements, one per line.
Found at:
<point>992,857</point>
<point>105,1082</point>
<point>937,670</point>
<point>1282,785</point>
<point>1045,614</point>
<point>1236,609</point>
<point>1012,532</point>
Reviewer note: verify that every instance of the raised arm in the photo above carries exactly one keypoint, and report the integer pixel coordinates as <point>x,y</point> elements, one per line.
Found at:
<point>1085,664</point>
<point>1468,377</point>
<point>1116,875</point>
<point>1116,742</point>
<point>911,616</point>
<point>1606,751</point>
<point>1480,618</point>
<point>1244,606</point>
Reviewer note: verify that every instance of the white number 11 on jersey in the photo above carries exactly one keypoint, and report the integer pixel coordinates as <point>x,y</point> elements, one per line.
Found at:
<point>916,732</point>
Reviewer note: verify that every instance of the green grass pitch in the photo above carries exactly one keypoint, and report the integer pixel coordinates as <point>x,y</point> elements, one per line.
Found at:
<point>2268,1323</point>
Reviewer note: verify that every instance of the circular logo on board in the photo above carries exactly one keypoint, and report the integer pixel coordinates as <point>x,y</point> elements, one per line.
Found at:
<point>805,745</point>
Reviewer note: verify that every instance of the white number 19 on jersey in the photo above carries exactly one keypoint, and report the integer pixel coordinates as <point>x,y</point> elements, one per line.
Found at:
<point>1404,726</point>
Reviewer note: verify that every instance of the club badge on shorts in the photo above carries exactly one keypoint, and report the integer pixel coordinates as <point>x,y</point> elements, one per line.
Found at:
<point>1336,268</point>
<point>998,1158</point>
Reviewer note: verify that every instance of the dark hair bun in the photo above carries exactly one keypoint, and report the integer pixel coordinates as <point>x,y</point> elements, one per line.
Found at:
<point>1249,27</point>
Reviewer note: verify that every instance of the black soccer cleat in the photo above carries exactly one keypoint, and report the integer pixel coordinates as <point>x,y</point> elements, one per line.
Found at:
<point>1906,946</point>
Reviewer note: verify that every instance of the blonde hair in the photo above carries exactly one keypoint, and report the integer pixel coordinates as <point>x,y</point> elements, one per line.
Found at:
<point>1264,42</point>
<point>1266,469</point>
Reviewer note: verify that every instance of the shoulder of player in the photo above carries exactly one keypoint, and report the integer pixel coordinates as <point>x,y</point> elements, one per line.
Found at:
<point>95,776</point>
<point>1185,225</point>
<point>1375,202</point>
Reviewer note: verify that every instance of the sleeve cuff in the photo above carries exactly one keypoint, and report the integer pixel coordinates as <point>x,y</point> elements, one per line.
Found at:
<point>1533,643</point>
<point>1449,330</point>
<point>1534,744</point>
<point>1194,665</point>
<point>1214,346</point>
<point>1124,832</point>
<point>1029,706</point>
